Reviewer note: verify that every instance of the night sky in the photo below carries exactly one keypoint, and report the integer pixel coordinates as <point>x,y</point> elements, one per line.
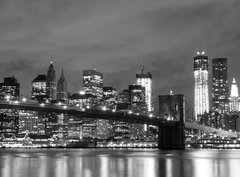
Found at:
<point>110,35</point>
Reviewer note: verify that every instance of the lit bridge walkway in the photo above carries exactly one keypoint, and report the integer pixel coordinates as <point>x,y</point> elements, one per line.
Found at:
<point>208,129</point>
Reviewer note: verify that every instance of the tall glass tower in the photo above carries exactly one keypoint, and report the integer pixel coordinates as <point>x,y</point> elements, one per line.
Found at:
<point>145,80</point>
<point>219,85</point>
<point>201,95</point>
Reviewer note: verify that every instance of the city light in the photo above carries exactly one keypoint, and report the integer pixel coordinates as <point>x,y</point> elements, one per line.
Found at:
<point>42,104</point>
<point>24,99</point>
<point>7,97</point>
<point>82,92</point>
<point>104,108</point>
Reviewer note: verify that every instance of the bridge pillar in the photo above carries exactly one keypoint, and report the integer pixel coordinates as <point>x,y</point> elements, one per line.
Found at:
<point>172,135</point>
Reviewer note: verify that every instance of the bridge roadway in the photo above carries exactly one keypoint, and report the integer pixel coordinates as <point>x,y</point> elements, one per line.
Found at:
<point>110,115</point>
<point>89,113</point>
<point>208,129</point>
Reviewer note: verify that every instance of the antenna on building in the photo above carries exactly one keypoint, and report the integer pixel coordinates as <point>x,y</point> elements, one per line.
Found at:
<point>142,66</point>
<point>51,56</point>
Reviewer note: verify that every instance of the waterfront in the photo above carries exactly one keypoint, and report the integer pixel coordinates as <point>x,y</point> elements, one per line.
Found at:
<point>118,163</point>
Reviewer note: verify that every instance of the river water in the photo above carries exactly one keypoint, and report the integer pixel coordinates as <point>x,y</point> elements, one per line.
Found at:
<point>118,163</point>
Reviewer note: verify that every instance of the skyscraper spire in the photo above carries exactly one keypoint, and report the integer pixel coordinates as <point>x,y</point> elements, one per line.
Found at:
<point>51,82</point>
<point>62,88</point>
<point>234,96</point>
<point>234,89</point>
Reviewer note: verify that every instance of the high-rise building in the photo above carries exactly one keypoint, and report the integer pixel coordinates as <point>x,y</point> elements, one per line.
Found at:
<point>93,83</point>
<point>9,89</point>
<point>220,89</point>
<point>39,88</point>
<point>201,95</point>
<point>9,121</point>
<point>145,80</point>
<point>110,97</point>
<point>234,97</point>
<point>51,83</point>
<point>137,95</point>
<point>124,100</point>
<point>62,88</point>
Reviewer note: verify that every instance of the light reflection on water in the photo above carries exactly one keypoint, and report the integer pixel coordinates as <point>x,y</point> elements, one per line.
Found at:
<point>118,163</point>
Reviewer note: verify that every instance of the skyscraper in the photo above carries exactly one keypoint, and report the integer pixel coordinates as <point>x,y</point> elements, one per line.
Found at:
<point>219,84</point>
<point>110,97</point>
<point>51,82</point>
<point>62,88</point>
<point>137,95</point>
<point>145,80</point>
<point>93,83</point>
<point>39,88</point>
<point>234,97</point>
<point>201,95</point>
<point>9,89</point>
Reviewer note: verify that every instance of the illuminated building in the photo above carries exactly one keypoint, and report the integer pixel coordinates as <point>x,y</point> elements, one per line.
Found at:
<point>51,83</point>
<point>82,100</point>
<point>110,97</point>
<point>137,94</point>
<point>28,122</point>
<point>9,89</point>
<point>137,105</point>
<point>145,80</point>
<point>93,83</point>
<point>9,121</point>
<point>86,128</point>
<point>39,89</point>
<point>219,85</point>
<point>234,97</point>
<point>62,88</point>
<point>124,100</point>
<point>201,95</point>
<point>74,128</point>
<point>109,103</point>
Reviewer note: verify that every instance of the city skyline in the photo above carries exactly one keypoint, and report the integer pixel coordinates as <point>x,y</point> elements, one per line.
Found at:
<point>111,36</point>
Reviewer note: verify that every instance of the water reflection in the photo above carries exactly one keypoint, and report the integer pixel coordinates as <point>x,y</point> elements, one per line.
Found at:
<point>118,163</point>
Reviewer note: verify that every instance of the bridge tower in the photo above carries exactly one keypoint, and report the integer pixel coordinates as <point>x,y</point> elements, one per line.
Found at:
<point>172,108</point>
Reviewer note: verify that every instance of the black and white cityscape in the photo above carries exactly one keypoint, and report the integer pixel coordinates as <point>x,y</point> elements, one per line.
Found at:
<point>119,88</point>
<point>51,91</point>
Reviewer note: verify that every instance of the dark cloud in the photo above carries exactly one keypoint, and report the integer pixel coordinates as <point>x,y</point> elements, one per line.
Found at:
<point>110,36</point>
